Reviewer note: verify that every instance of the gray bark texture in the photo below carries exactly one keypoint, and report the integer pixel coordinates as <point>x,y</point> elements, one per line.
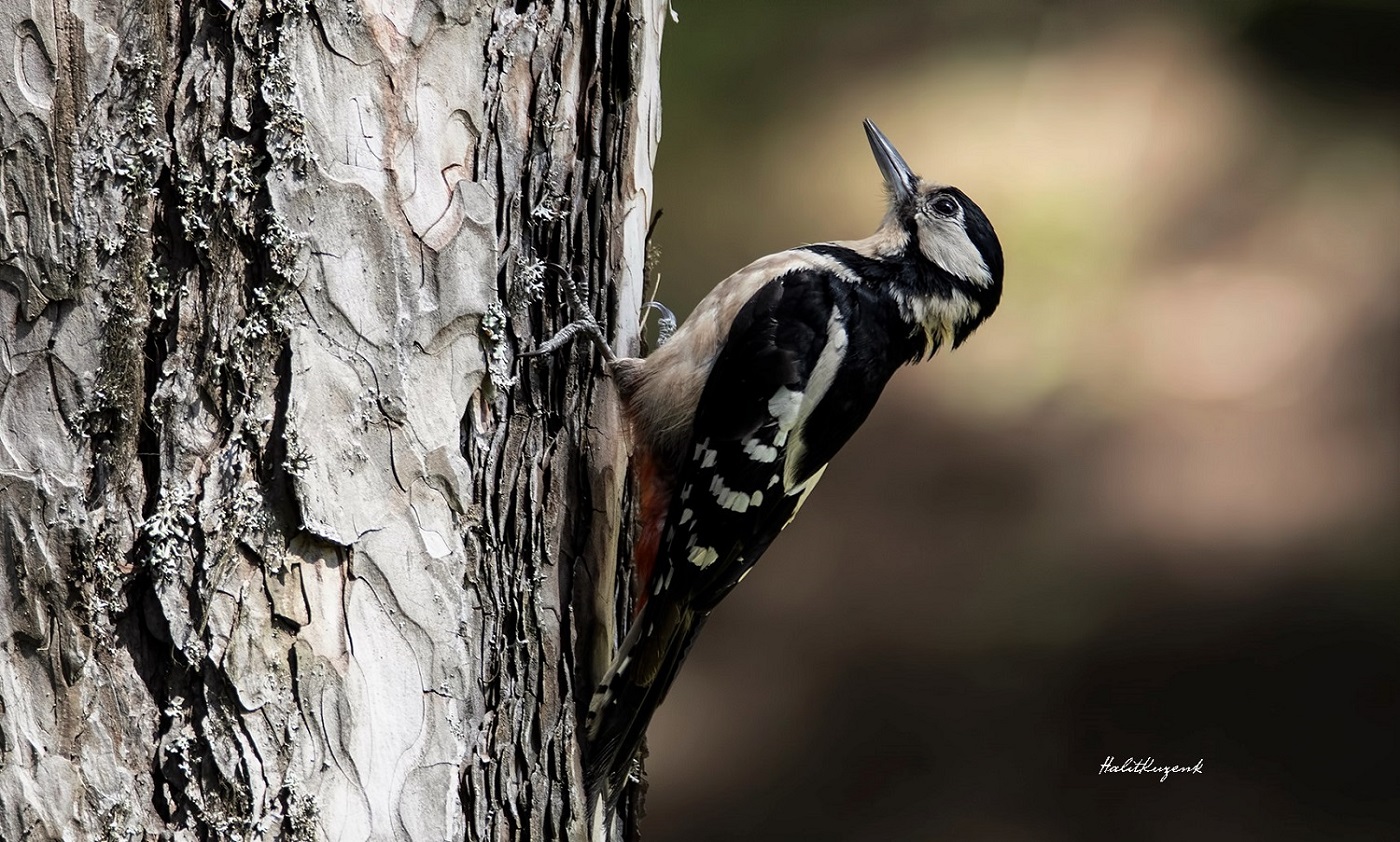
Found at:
<point>293,545</point>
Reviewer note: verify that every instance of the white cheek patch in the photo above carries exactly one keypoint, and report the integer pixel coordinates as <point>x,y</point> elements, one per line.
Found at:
<point>945,243</point>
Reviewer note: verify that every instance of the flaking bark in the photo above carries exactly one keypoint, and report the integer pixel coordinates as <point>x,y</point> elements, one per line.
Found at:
<point>293,546</point>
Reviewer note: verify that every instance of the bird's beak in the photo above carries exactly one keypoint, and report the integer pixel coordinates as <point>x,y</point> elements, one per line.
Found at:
<point>898,177</point>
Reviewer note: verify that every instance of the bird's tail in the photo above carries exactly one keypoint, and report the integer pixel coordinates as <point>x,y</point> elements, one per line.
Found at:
<point>633,688</point>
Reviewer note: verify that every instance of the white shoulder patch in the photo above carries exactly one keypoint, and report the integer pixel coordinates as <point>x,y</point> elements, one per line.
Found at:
<point>784,405</point>
<point>818,383</point>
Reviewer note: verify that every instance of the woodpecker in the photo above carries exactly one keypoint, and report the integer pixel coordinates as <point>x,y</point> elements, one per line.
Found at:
<point>735,417</point>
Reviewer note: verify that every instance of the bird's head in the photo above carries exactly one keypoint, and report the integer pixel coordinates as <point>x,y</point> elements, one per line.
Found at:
<point>939,227</point>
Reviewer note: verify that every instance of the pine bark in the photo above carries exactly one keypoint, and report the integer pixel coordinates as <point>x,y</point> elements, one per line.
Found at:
<point>293,545</point>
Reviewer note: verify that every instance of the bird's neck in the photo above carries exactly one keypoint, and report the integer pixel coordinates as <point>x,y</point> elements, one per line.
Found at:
<point>932,301</point>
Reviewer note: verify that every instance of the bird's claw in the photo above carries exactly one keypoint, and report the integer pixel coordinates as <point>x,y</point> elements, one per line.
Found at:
<point>588,327</point>
<point>585,324</point>
<point>665,322</point>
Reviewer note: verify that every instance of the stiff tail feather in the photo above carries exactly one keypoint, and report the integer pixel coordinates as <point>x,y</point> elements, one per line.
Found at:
<point>632,689</point>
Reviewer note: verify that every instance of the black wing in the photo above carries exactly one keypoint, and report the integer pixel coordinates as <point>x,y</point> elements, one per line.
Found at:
<point>803,364</point>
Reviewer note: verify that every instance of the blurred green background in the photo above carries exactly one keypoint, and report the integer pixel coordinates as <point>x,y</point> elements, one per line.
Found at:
<point>1150,509</point>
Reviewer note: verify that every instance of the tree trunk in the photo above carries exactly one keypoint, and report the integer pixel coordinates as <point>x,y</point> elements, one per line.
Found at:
<point>293,546</point>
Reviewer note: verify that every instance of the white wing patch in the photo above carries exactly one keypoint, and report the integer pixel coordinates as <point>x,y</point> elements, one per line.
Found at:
<point>703,557</point>
<point>663,582</point>
<point>728,498</point>
<point>705,454</point>
<point>784,407</point>
<point>758,451</point>
<point>822,376</point>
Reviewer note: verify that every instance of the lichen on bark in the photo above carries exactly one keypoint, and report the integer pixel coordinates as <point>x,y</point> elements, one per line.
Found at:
<point>294,547</point>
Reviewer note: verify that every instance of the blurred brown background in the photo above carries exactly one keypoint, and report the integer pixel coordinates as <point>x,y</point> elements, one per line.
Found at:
<point>1150,509</point>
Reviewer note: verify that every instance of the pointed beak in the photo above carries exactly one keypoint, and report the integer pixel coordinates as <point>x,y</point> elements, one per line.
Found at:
<point>898,177</point>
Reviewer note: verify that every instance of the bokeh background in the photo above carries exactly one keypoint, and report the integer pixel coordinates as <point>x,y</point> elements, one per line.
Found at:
<point>1150,509</point>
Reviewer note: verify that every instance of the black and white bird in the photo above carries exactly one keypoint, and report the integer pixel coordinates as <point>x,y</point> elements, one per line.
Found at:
<point>735,418</point>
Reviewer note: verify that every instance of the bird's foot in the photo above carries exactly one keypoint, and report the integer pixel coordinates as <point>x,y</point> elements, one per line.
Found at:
<point>586,325</point>
<point>665,321</point>
<point>588,328</point>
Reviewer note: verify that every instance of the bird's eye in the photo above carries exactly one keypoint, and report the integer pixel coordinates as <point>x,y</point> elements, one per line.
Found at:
<point>945,206</point>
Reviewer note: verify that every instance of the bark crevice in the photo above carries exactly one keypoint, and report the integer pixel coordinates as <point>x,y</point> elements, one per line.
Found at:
<point>293,544</point>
